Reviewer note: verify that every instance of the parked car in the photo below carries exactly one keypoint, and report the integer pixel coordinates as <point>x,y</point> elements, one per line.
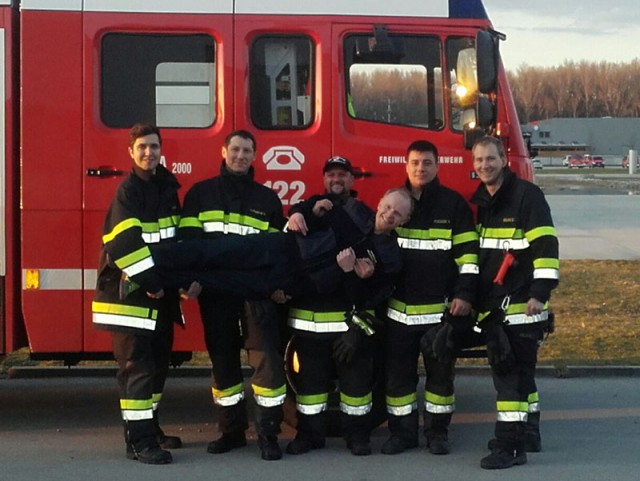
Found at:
<point>625,162</point>
<point>568,158</point>
<point>594,161</point>
<point>536,163</point>
<point>577,163</point>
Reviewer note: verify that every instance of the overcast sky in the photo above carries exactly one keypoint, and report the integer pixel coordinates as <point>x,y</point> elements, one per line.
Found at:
<point>546,32</point>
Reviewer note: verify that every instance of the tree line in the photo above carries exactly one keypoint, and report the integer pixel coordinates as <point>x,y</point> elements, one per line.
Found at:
<point>577,89</point>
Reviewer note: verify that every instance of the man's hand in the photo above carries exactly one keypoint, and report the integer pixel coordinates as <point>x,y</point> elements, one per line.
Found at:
<point>364,268</point>
<point>346,259</point>
<point>279,297</point>
<point>156,295</point>
<point>192,292</point>
<point>459,307</point>
<point>297,224</point>
<point>534,306</point>
<point>321,207</point>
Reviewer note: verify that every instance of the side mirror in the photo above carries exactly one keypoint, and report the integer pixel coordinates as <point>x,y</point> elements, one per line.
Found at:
<point>471,135</point>
<point>487,62</point>
<point>485,113</point>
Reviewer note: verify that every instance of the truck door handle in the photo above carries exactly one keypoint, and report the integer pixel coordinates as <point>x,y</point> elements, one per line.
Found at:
<point>104,171</point>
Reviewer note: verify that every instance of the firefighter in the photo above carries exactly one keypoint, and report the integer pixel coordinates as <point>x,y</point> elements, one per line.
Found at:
<point>519,268</point>
<point>439,276</point>
<point>327,340</point>
<point>234,204</point>
<point>144,211</point>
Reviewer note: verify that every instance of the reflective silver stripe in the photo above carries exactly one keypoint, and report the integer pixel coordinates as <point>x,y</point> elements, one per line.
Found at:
<point>534,407</point>
<point>151,237</point>
<point>90,278</point>
<point>312,326</point>
<point>229,228</point>
<point>124,321</point>
<point>518,319</point>
<point>514,244</point>
<point>414,319</point>
<point>546,274</point>
<point>439,408</point>
<point>311,408</point>
<point>168,233</point>
<point>160,6</point>
<point>228,400</point>
<point>432,8</point>
<point>137,414</point>
<point>73,5</point>
<point>268,401</point>
<point>139,267</point>
<point>402,410</point>
<point>355,410</point>
<point>425,245</point>
<point>469,269</point>
<point>512,416</point>
<point>58,279</point>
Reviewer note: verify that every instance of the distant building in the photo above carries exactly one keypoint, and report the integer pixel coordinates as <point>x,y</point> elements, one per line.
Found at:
<point>610,137</point>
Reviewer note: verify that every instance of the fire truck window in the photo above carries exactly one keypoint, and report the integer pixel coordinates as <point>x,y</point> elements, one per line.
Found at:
<point>167,80</point>
<point>400,85</point>
<point>463,83</point>
<point>281,88</point>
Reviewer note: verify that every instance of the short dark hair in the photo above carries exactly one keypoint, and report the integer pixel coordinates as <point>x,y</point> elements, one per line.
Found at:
<point>141,130</point>
<point>245,134</point>
<point>423,146</point>
<point>488,140</point>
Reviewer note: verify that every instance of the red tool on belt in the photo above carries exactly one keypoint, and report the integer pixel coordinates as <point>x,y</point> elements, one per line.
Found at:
<point>507,262</point>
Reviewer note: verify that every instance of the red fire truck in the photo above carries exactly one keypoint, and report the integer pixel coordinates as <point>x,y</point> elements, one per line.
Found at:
<point>360,79</point>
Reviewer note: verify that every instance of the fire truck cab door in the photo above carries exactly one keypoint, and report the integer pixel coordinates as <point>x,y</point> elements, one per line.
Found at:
<point>166,69</point>
<point>282,69</point>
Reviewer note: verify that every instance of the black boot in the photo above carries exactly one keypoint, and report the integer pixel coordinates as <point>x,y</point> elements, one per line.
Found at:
<point>151,453</point>
<point>164,441</point>
<point>311,433</point>
<point>357,431</point>
<point>532,439</point>
<point>142,445</point>
<point>436,430</point>
<point>508,447</point>
<point>227,442</point>
<point>404,433</point>
<point>270,448</point>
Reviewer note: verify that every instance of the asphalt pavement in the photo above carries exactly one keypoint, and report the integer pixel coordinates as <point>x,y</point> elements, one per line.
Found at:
<point>64,428</point>
<point>597,226</point>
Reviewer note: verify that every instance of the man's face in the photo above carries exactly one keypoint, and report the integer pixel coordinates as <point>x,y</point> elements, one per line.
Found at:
<point>422,168</point>
<point>238,155</point>
<point>488,164</point>
<point>338,181</point>
<point>393,211</point>
<point>146,152</point>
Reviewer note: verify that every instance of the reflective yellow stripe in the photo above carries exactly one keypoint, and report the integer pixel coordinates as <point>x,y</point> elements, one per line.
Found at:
<point>437,399</point>
<point>538,232</point>
<point>133,257</point>
<point>122,309</point>
<point>402,400</point>
<point>416,309</point>
<point>190,222</point>
<point>465,237</point>
<point>121,227</point>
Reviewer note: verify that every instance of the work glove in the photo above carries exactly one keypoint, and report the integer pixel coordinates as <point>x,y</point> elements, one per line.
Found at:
<point>499,351</point>
<point>443,341</point>
<point>346,346</point>
<point>361,325</point>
